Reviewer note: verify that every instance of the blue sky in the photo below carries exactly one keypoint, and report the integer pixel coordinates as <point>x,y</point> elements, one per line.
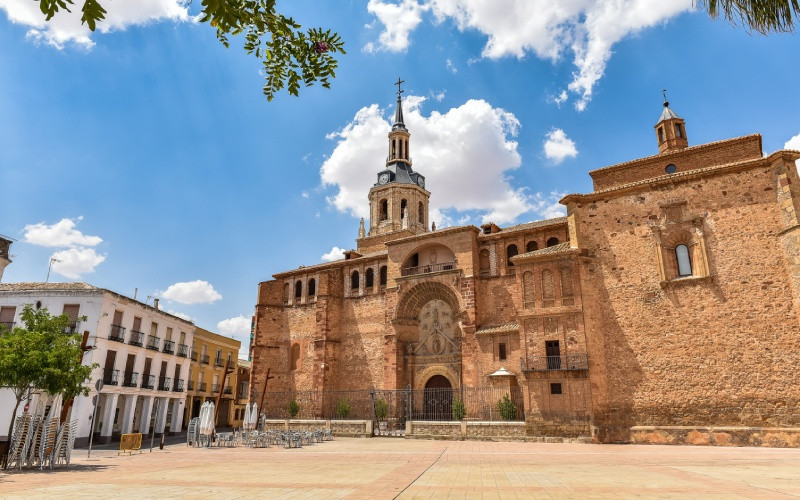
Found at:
<point>156,140</point>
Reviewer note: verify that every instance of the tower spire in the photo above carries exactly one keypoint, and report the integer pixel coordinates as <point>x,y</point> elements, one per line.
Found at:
<point>398,113</point>
<point>670,129</point>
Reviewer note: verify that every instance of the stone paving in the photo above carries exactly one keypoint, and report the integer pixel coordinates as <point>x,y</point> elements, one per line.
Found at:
<point>398,468</point>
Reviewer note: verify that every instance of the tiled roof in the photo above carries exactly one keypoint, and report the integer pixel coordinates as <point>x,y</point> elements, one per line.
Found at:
<point>34,286</point>
<point>488,330</point>
<point>561,247</point>
<point>526,226</point>
<point>334,263</point>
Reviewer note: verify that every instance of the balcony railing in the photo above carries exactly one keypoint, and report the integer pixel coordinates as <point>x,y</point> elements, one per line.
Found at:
<point>72,327</point>
<point>201,387</point>
<point>117,333</point>
<point>149,382</point>
<point>137,338</point>
<point>228,390</point>
<point>190,385</point>
<point>579,362</point>
<point>178,387</point>
<point>169,347</point>
<point>110,377</point>
<point>215,388</point>
<point>130,379</point>
<point>428,268</point>
<point>164,383</point>
<point>152,342</point>
<point>218,362</point>
<point>204,359</point>
<point>194,355</point>
<point>9,325</point>
<point>182,350</point>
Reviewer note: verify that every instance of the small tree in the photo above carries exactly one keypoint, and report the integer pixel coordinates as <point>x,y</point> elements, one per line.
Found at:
<point>381,410</point>
<point>459,409</point>
<point>343,408</point>
<point>506,408</point>
<point>40,356</point>
<point>294,408</point>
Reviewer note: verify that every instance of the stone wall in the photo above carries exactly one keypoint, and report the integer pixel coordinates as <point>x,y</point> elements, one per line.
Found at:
<point>351,428</point>
<point>465,430</point>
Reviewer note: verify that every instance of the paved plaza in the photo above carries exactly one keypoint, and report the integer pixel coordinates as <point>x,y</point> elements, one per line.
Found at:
<point>389,468</point>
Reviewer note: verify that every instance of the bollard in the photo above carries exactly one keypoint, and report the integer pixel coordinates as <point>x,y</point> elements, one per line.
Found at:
<point>161,445</point>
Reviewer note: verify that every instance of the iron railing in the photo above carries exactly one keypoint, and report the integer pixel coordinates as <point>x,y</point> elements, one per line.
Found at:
<point>169,347</point>
<point>190,385</point>
<point>218,362</point>
<point>152,342</point>
<point>117,333</point>
<point>130,379</point>
<point>228,390</point>
<point>9,325</point>
<point>137,338</point>
<point>178,387</point>
<point>148,382</point>
<point>204,359</point>
<point>110,376</point>
<point>577,362</point>
<point>194,355</point>
<point>164,383</point>
<point>215,388</point>
<point>201,387</point>
<point>182,350</point>
<point>72,327</point>
<point>428,268</point>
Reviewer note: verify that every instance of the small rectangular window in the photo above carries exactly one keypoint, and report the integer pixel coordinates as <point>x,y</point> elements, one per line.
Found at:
<point>501,348</point>
<point>555,388</point>
<point>660,134</point>
<point>678,131</point>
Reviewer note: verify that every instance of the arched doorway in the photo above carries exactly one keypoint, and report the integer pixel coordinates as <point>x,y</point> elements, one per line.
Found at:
<point>438,398</point>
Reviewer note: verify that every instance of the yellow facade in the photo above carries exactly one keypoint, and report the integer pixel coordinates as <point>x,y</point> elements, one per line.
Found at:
<point>207,378</point>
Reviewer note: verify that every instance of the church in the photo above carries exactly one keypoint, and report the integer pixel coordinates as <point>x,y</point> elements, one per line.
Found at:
<point>664,307</point>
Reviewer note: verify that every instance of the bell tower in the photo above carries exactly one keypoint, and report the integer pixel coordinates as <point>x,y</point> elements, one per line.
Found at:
<point>398,201</point>
<point>670,130</point>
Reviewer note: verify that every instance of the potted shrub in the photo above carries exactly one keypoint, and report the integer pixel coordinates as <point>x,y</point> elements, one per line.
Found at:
<point>381,412</point>
<point>459,409</point>
<point>294,408</point>
<point>343,408</point>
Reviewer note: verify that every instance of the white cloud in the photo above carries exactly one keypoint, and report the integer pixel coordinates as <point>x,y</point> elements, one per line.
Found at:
<point>558,146</point>
<point>336,253</point>
<point>398,19</point>
<point>74,262</point>
<point>192,292</point>
<point>794,143</point>
<point>236,327</point>
<point>451,67</point>
<point>60,234</point>
<point>439,96</point>
<point>66,27</point>
<point>587,29</point>
<point>465,154</point>
<point>180,315</point>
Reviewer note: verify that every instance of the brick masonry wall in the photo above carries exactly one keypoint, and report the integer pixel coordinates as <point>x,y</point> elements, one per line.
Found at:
<point>718,351</point>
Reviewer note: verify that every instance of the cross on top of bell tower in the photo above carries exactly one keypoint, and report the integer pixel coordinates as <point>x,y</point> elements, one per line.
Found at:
<point>398,83</point>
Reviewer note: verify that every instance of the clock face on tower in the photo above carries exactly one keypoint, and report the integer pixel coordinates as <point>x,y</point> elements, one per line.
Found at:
<point>421,182</point>
<point>383,178</point>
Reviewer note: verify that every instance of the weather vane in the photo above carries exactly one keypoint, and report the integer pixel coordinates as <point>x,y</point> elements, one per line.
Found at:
<point>398,83</point>
<point>666,102</point>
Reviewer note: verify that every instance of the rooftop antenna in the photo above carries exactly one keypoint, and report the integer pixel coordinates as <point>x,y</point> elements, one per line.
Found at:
<point>148,298</point>
<point>52,259</point>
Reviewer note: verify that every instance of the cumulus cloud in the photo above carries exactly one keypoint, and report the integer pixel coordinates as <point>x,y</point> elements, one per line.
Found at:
<point>466,155</point>
<point>180,315</point>
<point>74,262</point>
<point>192,292</point>
<point>587,29</point>
<point>238,327</point>
<point>60,234</point>
<point>66,27</point>
<point>336,253</point>
<point>557,146</point>
<point>398,19</point>
<point>451,67</point>
<point>794,143</point>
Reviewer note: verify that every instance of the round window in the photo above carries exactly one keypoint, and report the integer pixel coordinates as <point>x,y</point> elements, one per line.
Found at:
<point>671,168</point>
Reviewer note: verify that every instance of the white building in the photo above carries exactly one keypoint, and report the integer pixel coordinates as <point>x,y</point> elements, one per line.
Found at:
<point>142,353</point>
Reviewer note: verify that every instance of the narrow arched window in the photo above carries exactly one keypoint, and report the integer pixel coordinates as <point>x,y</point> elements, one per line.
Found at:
<point>403,204</point>
<point>382,276</point>
<point>354,281</point>
<point>552,241</point>
<point>294,356</point>
<point>528,290</point>
<point>531,246</point>
<point>286,293</point>
<point>369,279</point>
<point>312,287</point>
<point>684,260</point>
<point>483,262</point>
<point>383,209</point>
<point>421,213</point>
<point>298,289</point>
<point>511,251</point>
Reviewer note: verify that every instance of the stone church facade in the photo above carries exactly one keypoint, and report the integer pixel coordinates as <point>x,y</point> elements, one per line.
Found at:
<point>664,307</point>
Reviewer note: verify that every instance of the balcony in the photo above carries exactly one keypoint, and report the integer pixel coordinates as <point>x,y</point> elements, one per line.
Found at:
<point>182,350</point>
<point>567,362</point>
<point>130,379</point>
<point>178,387</point>
<point>201,387</point>
<point>117,333</point>
<point>152,342</point>
<point>148,382</point>
<point>429,268</point>
<point>214,388</point>
<point>218,362</point>
<point>72,327</point>
<point>164,383</point>
<point>228,390</point>
<point>190,385</point>
<point>137,338</point>
<point>194,355</point>
<point>9,325</point>
<point>169,347</point>
<point>204,359</point>
<point>110,377</point>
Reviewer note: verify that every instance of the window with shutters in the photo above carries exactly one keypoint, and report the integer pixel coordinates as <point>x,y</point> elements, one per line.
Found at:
<point>72,311</point>
<point>7,314</point>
